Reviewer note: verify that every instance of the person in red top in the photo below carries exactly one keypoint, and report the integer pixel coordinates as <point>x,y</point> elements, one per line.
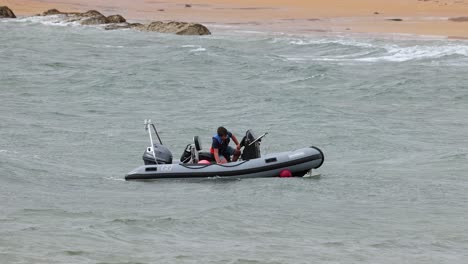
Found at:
<point>220,148</point>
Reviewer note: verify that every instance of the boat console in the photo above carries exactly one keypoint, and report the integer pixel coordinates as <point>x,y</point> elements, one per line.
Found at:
<point>251,145</point>
<point>251,149</point>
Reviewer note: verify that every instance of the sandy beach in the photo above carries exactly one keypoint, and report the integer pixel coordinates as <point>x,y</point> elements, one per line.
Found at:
<point>417,17</point>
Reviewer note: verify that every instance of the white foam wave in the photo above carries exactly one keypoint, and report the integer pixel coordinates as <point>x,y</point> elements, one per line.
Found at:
<point>52,20</point>
<point>8,151</point>
<point>344,42</point>
<point>111,46</point>
<point>196,48</point>
<point>114,179</point>
<point>375,51</point>
<point>401,54</point>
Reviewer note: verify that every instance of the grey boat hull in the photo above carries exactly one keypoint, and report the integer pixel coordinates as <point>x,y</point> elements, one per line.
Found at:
<point>298,162</point>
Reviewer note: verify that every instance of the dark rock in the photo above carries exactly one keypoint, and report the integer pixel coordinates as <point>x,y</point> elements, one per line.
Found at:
<point>6,12</point>
<point>459,19</point>
<point>91,13</point>
<point>187,5</point>
<point>123,26</point>
<point>54,11</point>
<point>93,17</point>
<point>96,20</point>
<point>179,28</point>
<point>395,19</point>
<point>116,19</point>
<point>153,26</point>
<point>135,25</point>
<point>194,29</point>
<point>376,13</point>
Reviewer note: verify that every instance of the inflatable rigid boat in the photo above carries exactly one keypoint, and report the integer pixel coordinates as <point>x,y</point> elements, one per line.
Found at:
<point>197,164</point>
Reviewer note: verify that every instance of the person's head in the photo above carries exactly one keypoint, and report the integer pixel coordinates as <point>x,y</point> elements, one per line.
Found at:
<point>222,132</point>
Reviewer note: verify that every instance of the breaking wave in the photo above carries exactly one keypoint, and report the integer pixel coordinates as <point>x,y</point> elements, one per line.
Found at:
<point>51,20</point>
<point>374,50</point>
<point>401,54</point>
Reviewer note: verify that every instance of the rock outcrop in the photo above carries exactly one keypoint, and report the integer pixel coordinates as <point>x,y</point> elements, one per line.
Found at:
<point>93,17</point>
<point>51,12</point>
<point>123,26</point>
<point>459,19</point>
<point>6,12</point>
<point>179,28</point>
<point>116,19</point>
<point>96,20</point>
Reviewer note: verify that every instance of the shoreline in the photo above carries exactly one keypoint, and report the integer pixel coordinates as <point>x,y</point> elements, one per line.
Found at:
<point>406,17</point>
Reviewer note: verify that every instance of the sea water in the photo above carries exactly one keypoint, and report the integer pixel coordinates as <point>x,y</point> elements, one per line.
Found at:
<point>389,112</point>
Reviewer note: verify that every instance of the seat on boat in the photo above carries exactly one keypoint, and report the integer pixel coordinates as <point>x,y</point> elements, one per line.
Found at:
<point>192,152</point>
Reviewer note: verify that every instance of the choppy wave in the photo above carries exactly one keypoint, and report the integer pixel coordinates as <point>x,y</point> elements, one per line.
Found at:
<point>196,48</point>
<point>115,179</point>
<point>395,53</point>
<point>373,50</point>
<point>326,41</point>
<point>51,20</point>
<point>320,48</point>
<point>391,125</point>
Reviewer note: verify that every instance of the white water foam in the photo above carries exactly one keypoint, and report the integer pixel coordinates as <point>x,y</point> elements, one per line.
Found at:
<point>375,51</point>
<point>8,152</point>
<point>196,48</point>
<point>344,42</point>
<point>401,54</point>
<point>115,178</point>
<point>111,46</point>
<point>52,20</point>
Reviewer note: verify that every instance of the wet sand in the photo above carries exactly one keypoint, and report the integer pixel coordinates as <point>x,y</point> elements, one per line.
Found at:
<point>417,17</point>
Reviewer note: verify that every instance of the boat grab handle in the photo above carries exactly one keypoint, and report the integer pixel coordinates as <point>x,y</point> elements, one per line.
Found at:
<point>201,166</point>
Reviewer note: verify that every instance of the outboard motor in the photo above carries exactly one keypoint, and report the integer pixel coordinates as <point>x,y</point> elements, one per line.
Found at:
<point>251,146</point>
<point>163,155</point>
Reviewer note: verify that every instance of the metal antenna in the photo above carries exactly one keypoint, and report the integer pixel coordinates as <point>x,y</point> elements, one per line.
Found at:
<point>156,132</point>
<point>147,123</point>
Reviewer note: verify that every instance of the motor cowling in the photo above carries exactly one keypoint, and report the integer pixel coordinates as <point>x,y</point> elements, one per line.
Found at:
<point>251,151</point>
<point>163,155</point>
